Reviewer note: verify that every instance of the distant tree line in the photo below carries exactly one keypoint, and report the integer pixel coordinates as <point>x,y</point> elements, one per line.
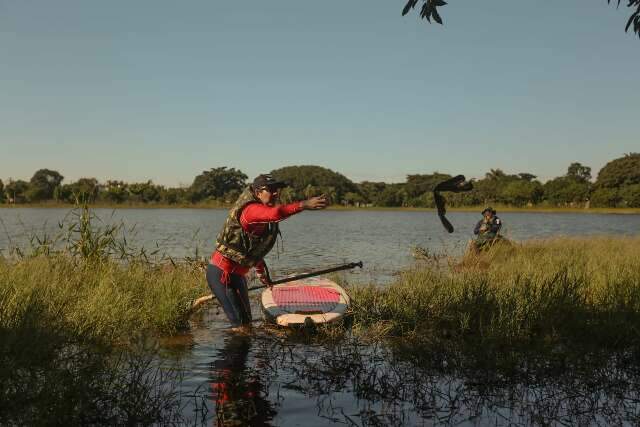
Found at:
<point>220,185</point>
<point>617,185</point>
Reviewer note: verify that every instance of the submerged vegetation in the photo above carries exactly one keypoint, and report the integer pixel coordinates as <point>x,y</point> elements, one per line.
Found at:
<point>381,385</point>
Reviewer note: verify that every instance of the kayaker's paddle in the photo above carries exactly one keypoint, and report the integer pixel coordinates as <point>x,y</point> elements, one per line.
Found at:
<point>305,275</point>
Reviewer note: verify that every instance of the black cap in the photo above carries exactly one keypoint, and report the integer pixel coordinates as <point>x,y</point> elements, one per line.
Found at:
<point>489,209</point>
<point>267,181</point>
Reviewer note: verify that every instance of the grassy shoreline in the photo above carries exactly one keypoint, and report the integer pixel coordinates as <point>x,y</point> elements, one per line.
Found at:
<point>73,326</point>
<point>474,209</point>
<point>560,289</point>
<point>69,316</point>
<point>72,340</point>
<point>556,291</point>
<point>100,286</point>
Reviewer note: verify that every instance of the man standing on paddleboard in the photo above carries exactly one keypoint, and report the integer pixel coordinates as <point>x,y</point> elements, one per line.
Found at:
<point>248,234</point>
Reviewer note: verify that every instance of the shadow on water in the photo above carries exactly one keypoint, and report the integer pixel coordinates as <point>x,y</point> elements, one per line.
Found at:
<point>274,379</point>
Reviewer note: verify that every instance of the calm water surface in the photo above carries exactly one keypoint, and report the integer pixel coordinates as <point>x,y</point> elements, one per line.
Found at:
<point>269,379</point>
<point>381,239</point>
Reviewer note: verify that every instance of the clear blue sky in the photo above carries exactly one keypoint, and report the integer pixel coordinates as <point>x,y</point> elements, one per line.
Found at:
<point>162,90</point>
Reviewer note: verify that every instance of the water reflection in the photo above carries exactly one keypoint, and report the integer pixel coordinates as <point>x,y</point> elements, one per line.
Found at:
<point>270,380</point>
<point>485,386</point>
<point>238,393</point>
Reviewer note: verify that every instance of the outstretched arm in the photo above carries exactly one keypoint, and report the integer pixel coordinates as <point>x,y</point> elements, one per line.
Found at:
<point>257,213</point>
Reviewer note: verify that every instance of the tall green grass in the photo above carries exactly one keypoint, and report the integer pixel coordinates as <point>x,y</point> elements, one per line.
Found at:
<point>73,312</point>
<point>106,299</point>
<point>68,337</point>
<point>556,290</point>
<point>98,282</point>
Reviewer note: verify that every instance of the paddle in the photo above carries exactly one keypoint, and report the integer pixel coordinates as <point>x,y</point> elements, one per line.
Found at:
<point>305,275</point>
<point>196,303</point>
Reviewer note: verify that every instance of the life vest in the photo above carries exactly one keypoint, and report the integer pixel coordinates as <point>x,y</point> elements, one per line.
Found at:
<point>494,225</point>
<point>235,243</point>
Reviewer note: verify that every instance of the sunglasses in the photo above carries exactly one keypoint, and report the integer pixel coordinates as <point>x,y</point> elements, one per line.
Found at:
<point>271,190</point>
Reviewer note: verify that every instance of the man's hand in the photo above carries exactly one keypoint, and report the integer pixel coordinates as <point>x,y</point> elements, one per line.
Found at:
<point>263,279</point>
<point>314,203</point>
<point>261,272</point>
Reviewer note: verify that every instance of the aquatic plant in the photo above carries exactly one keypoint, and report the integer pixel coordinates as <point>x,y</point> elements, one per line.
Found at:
<point>557,289</point>
<point>74,308</point>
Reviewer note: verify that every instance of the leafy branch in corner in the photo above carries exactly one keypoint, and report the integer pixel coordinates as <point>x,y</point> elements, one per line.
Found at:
<point>429,10</point>
<point>634,19</point>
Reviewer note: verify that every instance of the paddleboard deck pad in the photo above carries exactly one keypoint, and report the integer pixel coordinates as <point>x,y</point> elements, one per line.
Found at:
<point>314,298</point>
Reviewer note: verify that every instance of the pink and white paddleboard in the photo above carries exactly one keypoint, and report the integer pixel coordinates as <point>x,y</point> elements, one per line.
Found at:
<point>315,298</point>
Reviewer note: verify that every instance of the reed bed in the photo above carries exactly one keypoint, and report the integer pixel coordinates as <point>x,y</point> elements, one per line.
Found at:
<point>106,300</point>
<point>575,289</point>
<point>70,341</point>
<point>75,314</point>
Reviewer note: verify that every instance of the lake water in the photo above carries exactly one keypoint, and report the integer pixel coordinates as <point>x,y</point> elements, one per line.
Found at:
<point>269,379</point>
<point>265,379</point>
<point>316,239</point>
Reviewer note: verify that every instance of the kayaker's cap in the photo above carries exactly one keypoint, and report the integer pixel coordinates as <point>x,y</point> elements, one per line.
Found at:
<point>267,181</point>
<point>489,209</point>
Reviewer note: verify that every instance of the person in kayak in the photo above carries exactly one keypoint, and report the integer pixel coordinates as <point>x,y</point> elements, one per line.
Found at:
<point>487,229</point>
<point>248,234</point>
